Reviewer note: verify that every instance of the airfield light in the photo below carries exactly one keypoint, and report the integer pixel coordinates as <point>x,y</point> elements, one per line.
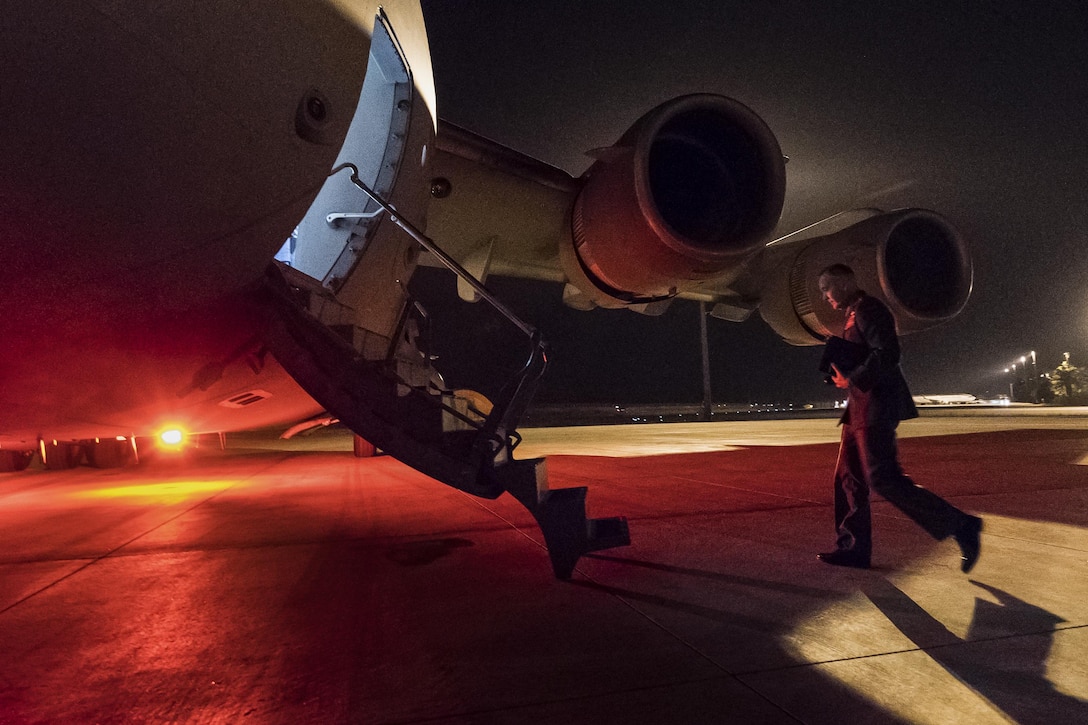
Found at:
<point>171,437</point>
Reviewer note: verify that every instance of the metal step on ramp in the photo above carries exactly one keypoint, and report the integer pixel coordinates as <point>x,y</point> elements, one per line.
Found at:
<point>408,423</point>
<point>561,515</point>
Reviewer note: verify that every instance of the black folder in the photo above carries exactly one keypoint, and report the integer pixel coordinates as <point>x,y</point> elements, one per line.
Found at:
<point>844,354</point>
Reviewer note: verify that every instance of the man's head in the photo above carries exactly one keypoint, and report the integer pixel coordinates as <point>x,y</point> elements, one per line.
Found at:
<point>838,285</point>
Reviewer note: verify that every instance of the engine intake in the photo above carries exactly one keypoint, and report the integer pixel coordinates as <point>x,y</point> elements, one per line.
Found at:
<point>692,186</point>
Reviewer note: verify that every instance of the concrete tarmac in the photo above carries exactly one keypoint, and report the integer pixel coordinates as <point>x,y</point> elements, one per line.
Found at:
<point>288,582</point>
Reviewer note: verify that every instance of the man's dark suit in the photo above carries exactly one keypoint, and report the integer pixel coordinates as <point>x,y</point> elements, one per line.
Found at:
<point>877,400</point>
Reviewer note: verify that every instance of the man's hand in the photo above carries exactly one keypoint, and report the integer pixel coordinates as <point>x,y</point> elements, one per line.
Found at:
<point>840,380</point>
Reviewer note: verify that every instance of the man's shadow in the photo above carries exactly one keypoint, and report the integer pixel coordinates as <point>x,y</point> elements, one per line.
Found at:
<point>995,658</point>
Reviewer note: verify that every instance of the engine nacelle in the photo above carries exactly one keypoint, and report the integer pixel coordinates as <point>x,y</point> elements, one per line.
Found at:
<point>693,186</point>
<point>912,259</point>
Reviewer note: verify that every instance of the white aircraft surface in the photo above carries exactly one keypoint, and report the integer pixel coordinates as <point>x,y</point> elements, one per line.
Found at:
<point>210,211</point>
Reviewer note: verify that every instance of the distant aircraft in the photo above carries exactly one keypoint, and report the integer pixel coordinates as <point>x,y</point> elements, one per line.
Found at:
<point>157,156</point>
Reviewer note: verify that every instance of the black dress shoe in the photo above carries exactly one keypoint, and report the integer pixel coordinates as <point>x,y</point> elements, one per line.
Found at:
<point>967,536</point>
<point>842,557</point>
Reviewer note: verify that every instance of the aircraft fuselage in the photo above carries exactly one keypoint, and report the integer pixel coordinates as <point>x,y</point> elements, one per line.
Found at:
<point>156,158</point>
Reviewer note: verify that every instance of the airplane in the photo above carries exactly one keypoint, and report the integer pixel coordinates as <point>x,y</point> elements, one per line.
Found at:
<point>210,213</point>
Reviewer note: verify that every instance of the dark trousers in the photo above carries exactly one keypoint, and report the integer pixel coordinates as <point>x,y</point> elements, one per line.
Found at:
<point>869,460</point>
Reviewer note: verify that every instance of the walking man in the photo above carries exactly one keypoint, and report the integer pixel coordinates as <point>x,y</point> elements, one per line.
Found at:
<point>877,399</point>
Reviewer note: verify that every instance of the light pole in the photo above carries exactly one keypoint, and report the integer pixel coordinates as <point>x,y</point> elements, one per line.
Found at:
<point>1034,379</point>
<point>1024,371</point>
<point>707,404</point>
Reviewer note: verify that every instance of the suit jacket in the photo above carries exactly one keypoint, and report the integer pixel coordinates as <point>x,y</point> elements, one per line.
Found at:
<point>878,391</point>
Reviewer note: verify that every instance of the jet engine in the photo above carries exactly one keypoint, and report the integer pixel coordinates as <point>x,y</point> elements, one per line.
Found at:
<point>691,188</point>
<point>912,259</point>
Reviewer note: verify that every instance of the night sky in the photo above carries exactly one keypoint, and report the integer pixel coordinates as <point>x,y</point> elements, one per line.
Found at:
<point>978,110</point>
